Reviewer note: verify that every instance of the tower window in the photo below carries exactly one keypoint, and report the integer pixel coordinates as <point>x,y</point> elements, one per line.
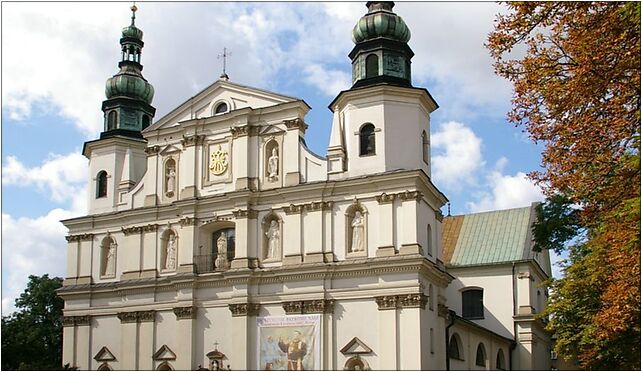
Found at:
<point>472,302</point>
<point>367,140</point>
<point>112,120</point>
<point>220,108</point>
<point>372,66</point>
<point>480,358</point>
<point>425,146</point>
<point>101,184</point>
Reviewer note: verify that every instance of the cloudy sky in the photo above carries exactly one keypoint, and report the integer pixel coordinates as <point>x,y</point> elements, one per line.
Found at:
<point>57,56</point>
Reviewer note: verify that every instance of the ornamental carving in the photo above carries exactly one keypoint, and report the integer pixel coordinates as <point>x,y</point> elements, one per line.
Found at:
<point>244,309</point>
<point>149,228</point>
<point>314,206</point>
<point>188,221</point>
<point>248,213</point>
<point>318,306</point>
<point>188,141</point>
<point>385,198</point>
<point>413,300</point>
<point>152,150</point>
<point>439,216</point>
<point>219,161</point>
<point>239,131</point>
<point>293,209</point>
<point>187,312</point>
<point>293,307</point>
<point>146,316</point>
<point>410,195</point>
<point>68,321</point>
<point>130,317</point>
<point>386,302</point>
<point>131,230</point>
<point>327,206</point>
<point>79,237</point>
<point>295,124</point>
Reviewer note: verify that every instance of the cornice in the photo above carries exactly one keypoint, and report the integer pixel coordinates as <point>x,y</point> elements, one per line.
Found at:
<point>293,209</point>
<point>152,150</point>
<point>247,213</point>
<point>193,140</point>
<point>246,309</point>
<point>78,320</point>
<point>413,300</point>
<point>136,316</point>
<point>295,124</point>
<point>186,312</point>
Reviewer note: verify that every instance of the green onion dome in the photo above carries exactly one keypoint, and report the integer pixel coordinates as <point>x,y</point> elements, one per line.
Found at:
<point>133,32</point>
<point>129,83</point>
<point>380,21</point>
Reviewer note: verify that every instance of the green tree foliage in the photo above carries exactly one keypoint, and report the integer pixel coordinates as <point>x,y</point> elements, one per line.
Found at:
<point>577,91</point>
<point>32,335</point>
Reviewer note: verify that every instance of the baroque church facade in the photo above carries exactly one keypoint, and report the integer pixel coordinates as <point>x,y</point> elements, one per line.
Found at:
<point>216,239</point>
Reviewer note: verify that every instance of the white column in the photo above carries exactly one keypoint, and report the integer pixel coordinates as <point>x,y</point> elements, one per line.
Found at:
<point>241,218</point>
<point>388,358</point>
<point>84,261</point>
<point>409,225</point>
<point>69,341</point>
<point>83,342</point>
<point>292,253</point>
<point>328,232</point>
<point>291,151</point>
<point>185,319</point>
<point>149,251</point>
<point>146,341</point>
<point>128,340</point>
<point>240,158</point>
<point>385,246</point>
<point>313,232</point>
<point>72,258</point>
<point>410,346</point>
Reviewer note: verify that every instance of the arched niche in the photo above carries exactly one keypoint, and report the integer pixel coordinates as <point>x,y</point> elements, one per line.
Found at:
<point>272,237</point>
<point>108,254</point>
<point>170,177</point>
<point>169,250</point>
<point>272,161</point>
<point>356,222</point>
<point>207,251</point>
<point>105,367</point>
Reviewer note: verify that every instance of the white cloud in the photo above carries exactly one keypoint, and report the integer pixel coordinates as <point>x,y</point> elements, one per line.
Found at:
<point>31,247</point>
<point>329,81</point>
<point>506,192</point>
<point>62,177</point>
<point>456,154</point>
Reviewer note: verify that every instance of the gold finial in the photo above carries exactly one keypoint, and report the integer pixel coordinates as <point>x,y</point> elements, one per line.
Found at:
<point>133,8</point>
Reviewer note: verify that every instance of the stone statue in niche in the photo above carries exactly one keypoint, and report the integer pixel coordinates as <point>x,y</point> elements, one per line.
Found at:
<point>273,166</point>
<point>357,232</point>
<point>110,263</point>
<point>171,181</point>
<point>273,236</point>
<point>170,260</point>
<point>221,253</point>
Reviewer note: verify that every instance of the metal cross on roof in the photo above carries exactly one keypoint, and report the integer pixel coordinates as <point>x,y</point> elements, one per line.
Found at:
<point>224,56</point>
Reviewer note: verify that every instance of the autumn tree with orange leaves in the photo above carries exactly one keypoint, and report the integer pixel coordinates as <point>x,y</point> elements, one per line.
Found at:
<point>575,68</point>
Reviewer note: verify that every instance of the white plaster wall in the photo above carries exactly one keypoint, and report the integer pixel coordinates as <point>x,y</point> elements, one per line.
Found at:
<point>404,123</point>
<point>357,114</point>
<point>498,292</point>
<point>357,318</point>
<point>111,339</point>
<point>313,168</point>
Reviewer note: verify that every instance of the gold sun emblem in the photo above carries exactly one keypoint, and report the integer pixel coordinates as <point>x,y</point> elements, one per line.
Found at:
<point>218,162</point>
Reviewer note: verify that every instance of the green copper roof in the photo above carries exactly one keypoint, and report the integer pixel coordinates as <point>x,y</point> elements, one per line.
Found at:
<point>380,21</point>
<point>486,238</point>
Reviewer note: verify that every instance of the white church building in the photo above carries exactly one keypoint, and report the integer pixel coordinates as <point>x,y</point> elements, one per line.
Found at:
<point>215,239</point>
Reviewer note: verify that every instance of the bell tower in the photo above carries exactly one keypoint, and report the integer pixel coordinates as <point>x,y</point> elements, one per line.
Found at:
<point>382,123</point>
<point>128,110</point>
<point>117,160</point>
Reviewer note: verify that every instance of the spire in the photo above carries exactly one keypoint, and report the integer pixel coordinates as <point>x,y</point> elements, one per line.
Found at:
<point>381,53</point>
<point>225,54</point>
<point>128,107</point>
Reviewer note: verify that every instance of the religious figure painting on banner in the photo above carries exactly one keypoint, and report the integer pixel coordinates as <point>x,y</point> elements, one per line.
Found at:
<point>289,343</point>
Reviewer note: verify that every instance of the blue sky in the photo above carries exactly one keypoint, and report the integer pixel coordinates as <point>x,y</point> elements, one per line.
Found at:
<point>57,56</point>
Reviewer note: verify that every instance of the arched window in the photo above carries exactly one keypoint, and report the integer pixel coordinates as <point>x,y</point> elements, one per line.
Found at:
<point>164,367</point>
<point>372,66</point>
<point>104,367</point>
<point>146,121</point>
<point>429,240</point>
<point>472,303</point>
<point>356,364</point>
<point>112,120</point>
<point>220,108</point>
<point>367,140</point>
<point>454,348</point>
<point>223,241</point>
<point>501,362</point>
<point>425,142</point>
<point>101,184</point>
<point>480,358</point>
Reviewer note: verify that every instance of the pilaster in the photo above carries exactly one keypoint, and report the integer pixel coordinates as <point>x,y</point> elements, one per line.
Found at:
<point>292,253</point>
<point>241,257</point>
<point>386,225</point>
<point>409,227</point>
<point>313,227</point>
<point>185,327</point>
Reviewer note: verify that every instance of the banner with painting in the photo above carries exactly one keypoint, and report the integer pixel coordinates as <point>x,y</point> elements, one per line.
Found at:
<point>289,343</point>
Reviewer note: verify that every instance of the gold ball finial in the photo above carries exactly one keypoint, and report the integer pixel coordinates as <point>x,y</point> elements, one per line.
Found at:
<point>134,8</point>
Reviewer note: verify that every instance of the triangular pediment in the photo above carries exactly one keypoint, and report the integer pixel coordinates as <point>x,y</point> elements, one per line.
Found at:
<point>164,353</point>
<point>271,130</point>
<point>235,96</point>
<point>170,149</point>
<point>104,355</point>
<point>356,346</point>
